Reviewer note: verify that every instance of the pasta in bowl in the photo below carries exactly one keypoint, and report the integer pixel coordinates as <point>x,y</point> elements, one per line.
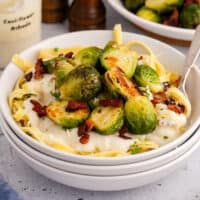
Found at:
<point>112,101</point>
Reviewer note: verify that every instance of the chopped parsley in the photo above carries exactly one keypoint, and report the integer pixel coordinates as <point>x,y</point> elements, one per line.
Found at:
<point>56,49</point>
<point>55,94</point>
<point>135,149</point>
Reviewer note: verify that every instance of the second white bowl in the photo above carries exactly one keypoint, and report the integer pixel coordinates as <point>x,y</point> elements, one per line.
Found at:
<point>102,170</point>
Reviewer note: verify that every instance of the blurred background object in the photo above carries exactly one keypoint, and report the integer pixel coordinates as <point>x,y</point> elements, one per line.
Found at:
<point>54,11</point>
<point>20,22</point>
<point>85,15</point>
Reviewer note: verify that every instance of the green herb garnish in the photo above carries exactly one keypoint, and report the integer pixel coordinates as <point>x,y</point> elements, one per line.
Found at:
<point>55,94</point>
<point>56,49</point>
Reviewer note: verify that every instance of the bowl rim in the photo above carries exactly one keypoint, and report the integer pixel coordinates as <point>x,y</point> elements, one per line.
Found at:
<point>23,146</point>
<point>129,176</point>
<point>80,158</point>
<point>152,26</point>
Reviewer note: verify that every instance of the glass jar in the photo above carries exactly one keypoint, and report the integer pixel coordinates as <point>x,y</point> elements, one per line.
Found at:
<point>20,22</point>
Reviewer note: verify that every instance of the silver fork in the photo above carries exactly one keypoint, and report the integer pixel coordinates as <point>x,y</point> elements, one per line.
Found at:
<point>191,59</point>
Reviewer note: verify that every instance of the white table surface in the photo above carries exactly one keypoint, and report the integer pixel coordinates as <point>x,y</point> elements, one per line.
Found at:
<point>184,184</point>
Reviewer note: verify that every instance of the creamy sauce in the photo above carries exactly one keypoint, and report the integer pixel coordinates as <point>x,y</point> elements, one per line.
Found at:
<point>169,126</point>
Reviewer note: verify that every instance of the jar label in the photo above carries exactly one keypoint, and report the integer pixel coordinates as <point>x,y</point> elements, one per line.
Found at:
<point>19,19</point>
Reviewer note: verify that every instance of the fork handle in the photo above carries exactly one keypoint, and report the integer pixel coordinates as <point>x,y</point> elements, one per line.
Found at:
<point>194,50</point>
<point>191,58</point>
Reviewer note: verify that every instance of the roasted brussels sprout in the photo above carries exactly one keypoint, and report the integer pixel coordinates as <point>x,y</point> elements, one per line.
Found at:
<point>82,83</point>
<point>107,120</point>
<point>62,69</point>
<point>88,56</point>
<point>59,114</point>
<point>140,115</point>
<point>118,83</point>
<point>133,4</point>
<point>163,6</point>
<point>93,103</point>
<point>148,14</point>
<point>146,76</point>
<point>190,16</point>
<point>121,57</point>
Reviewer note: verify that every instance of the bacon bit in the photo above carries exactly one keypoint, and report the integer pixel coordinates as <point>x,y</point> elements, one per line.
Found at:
<point>38,108</point>
<point>122,132</point>
<point>83,131</point>
<point>113,103</point>
<point>84,139</point>
<point>182,107</point>
<point>173,19</point>
<point>189,2</point>
<point>86,127</point>
<point>69,55</point>
<point>75,105</point>
<point>28,76</point>
<point>39,71</point>
<point>159,98</point>
<point>175,108</point>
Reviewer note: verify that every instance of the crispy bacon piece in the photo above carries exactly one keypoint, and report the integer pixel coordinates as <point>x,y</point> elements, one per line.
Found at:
<point>189,2</point>
<point>39,71</point>
<point>83,131</point>
<point>38,108</point>
<point>69,55</point>
<point>173,19</point>
<point>159,98</point>
<point>123,131</point>
<point>28,76</point>
<point>175,108</point>
<point>84,139</point>
<point>85,127</point>
<point>111,102</point>
<point>75,105</point>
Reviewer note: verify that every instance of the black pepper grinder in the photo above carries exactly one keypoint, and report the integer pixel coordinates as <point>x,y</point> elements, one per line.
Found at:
<point>85,15</point>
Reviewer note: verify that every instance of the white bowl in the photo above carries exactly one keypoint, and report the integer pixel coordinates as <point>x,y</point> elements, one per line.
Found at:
<point>102,170</point>
<point>103,183</point>
<point>160,29</point>
<point>100,38</point>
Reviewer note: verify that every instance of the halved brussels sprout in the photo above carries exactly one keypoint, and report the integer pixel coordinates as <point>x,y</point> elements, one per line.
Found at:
<point>163,6</point>
<point>88,56</point>
<point>82,83</point>
<point>140,115</point>
<point>190,16</point>
<point>133,4</point>
<point>62,69</point>
<point>93,103</point>
<point>146,76</point>
<point>107,120</point>
<point>118,83</point>
<point>58,113</point>
<point>148,14</point>
<point>121,57</point>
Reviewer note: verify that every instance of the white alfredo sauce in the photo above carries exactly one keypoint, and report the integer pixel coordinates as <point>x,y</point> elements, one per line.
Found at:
<point>170,124</point>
